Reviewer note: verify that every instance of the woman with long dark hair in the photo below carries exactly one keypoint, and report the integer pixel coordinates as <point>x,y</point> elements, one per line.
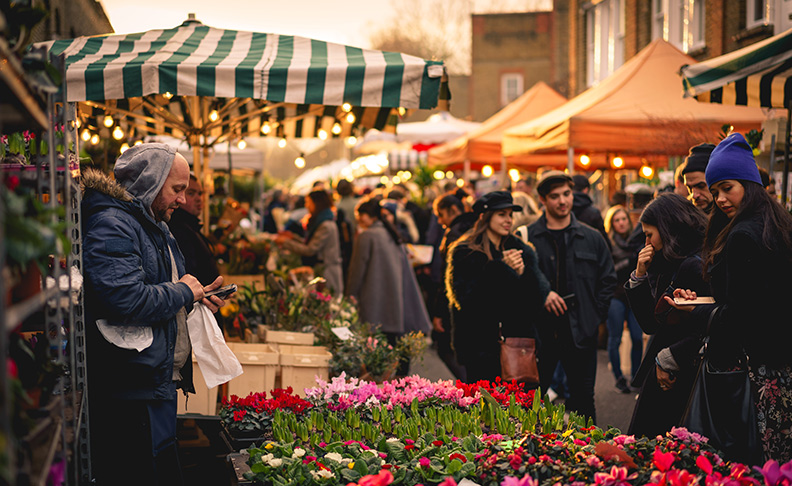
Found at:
<point>674,231</point>
<point>494,287</point>
<point>321,246</point>
<point>618,227</point>
<point>748,261</point>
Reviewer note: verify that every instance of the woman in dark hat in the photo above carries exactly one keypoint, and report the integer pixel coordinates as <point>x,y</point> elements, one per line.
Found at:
<point>674,231</point>
<point>748,261</point>
<point>494,287</point>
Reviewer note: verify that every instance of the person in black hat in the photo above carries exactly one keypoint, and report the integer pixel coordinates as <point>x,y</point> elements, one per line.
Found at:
<point>584,208</point>
<point>494,287</point>
<point>695,165</point>
<point>577,262</point>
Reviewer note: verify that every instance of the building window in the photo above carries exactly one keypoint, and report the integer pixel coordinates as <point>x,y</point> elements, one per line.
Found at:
<point>604,40</point>
<point>680,22</point>
<point>757,13</point>
<point>511,87</point>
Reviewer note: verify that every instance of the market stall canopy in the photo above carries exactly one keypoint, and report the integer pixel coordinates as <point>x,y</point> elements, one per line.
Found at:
<point>195,80</point>
<point>638,110</point>
<point>440,127</point>
<point>756,75</point>
<point>482,146</point>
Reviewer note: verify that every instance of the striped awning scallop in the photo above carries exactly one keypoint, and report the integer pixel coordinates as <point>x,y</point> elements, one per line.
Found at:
<point>756,75</point>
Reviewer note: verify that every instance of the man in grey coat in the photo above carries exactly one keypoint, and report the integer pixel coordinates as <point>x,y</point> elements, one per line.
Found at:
<point>576,260</point>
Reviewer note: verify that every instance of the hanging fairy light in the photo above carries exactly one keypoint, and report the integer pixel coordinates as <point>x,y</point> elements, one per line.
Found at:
<point>384,179</point>
<point>647,172</point>
<point>486,171</point>
<point>396,180</point>
<point>118,133</point>
<point>213,115</point>
<point>438,175</point>
<point>282,143</point>
<point>346,107</point>
<point>460,182</point>
<point>77,123</point>
<point>138,142</point>
<point>85,135</point>
<point>94,139</point>
<point>336,128</point>
<point>266,128</point>
<point>514,175</point>
<point>449,174</point>
<point>108,121</point>
<point>168,95</point>
<point>350,118</point>
<point>124,147</point>
<point>299,162</point>
<point>322,134</point>
<point>351,141</point>
<point>402,111</point>
<point>241,145</point>
<point>585,160</point>
<point>617,162</point>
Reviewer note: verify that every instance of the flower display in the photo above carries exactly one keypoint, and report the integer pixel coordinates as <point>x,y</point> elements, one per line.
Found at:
<point>253,413</point>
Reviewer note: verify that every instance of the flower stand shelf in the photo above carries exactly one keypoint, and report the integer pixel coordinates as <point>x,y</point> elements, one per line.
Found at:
<point>259,363</point>
<point>301,365</point>
<point>277,338</point>
<point>204,401</point>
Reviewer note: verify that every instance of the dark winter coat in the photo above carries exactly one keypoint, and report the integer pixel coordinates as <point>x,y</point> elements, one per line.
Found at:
<point>485,294</point>
<point>681,332</point>
<point>590,275</point>
<point>752,287</point>
<point>459,226</point>
<point>585,212</point>
<point>622,257</point>
<point>128,282</point>
<point>199,261</point>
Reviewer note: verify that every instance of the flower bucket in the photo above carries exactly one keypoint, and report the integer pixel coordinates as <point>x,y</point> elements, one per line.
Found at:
<point>259,365</point>
<point>301,365</point>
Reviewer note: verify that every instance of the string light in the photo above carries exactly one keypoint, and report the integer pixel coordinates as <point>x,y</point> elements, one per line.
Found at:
<point>241,145</point>
<point>406,175</point>
<point>346,107</point>
<point>299,162</point>
<point>460,182</point>
<point>396,180</point>
<point>384,179</point>
<point>647,172</point>
<point>124,147</point>
<point>585,160</point>
<point>514,175</point>
<point>138,142</point>
<point>213,115</point>
<point>486,171</point>
<point>86,135</point>
<point>94,139</point>
<point>118,134</point>
<point>350,118</point>
<point>322,134</point>
<point>336,128</point>
<point>282,143</point>
<point>266,128</point>
<point>168,95</point>
<point>402,111</point>
<point>438,174</point>
<point>108,121</point>
<point>617,162</point>
<point>449,174</point>
<point>351,141</point>
<point>77,123</point>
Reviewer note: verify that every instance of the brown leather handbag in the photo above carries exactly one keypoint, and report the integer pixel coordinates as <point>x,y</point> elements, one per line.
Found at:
<point>518,360</point>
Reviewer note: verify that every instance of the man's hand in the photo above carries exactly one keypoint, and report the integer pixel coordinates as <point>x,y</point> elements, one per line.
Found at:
<point>195,286</point>
<point>555,304</point>
<point>213,303</point>
<point>644,259</point>
<point>437,324</point>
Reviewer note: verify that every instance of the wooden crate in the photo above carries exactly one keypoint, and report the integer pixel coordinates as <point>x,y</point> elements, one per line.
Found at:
<point>259,365</point>
<point>301,365</point>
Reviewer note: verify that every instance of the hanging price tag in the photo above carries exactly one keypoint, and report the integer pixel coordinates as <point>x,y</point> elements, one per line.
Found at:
<point>342,332</point>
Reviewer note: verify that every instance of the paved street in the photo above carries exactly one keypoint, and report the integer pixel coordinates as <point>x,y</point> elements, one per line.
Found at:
<point>613,407</point>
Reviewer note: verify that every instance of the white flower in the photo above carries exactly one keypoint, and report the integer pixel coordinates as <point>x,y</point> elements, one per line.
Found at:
<point>322,474</point>
<point>333,456</point>
<point>267,458</point>
<point>277,462</point>
<point>392,439</point>
<point>372,402</point>
<point>346,461</point>
<point>298,452</point>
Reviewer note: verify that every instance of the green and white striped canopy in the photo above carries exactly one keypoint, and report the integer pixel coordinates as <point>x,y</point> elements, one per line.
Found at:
<point>198,60</point>
<point>757,75</point>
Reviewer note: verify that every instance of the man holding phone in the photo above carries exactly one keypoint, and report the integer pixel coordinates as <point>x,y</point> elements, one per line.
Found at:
<point>137,295</point>
<point>576,260</point>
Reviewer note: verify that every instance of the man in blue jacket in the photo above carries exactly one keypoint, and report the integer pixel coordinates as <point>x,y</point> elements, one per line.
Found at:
<point>137,296</point>
<point>576,260</point>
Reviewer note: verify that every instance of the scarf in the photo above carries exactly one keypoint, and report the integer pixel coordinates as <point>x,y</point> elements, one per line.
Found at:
<point>316,220</point>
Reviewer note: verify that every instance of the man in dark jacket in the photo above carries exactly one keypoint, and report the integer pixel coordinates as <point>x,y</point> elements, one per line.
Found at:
<point>583,207</point>
<point>576,260</point>
<point>199,260</point>
<point>451,214</point>
<point>136,298</point>
<point>695,165</point>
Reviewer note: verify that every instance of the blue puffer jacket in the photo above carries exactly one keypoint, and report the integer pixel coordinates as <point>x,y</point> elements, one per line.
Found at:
<point>128,282</point>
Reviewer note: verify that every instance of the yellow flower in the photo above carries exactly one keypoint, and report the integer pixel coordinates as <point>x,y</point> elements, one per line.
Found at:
<point>351,465</point>
<point>229,309</point>
<point>269,446</point>
<point>567,433</point>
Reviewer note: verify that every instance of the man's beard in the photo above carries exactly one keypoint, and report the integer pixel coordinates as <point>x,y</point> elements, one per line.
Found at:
<point>160,211</point>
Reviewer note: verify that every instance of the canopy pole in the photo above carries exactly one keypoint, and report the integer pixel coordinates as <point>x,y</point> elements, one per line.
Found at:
<point>504,178</point>
<point>466,171</point>
<point>570,160</point>
<point>785,183</point>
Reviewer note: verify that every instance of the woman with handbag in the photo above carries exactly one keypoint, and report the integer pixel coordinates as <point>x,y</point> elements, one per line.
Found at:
<point>674,231</point>
<point>748,261</point>
<point>494,287</point>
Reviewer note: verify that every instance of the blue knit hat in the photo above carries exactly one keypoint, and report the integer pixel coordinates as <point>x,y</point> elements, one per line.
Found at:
<point>732,159</point>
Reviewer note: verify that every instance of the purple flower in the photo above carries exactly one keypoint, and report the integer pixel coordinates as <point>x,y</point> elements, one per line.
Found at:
<point>424,462</point>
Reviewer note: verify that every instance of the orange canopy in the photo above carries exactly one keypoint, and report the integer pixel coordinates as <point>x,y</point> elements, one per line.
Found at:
<point>482,146</point>
<point>637,111</point>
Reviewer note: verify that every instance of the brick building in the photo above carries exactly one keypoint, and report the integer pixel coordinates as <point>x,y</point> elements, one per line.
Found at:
<point>71,18</point>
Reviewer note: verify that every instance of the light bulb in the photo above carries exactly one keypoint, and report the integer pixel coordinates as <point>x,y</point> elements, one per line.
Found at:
<point>460,182</point>
<point>617,162</point>
<point>350,118</point>
<point>486,171</point>
<point>95,139</point>
<point>266,128</point>
<point>86,135</point>
<point>241,145</point>
<point>213,115</point>
<point>402,111</point>
<point>77,123</point>
<point>514,175</point>
<point>124,147</point>
<point>438,174</point>
<point>299,162</point>
<point>336,128</point>
<point>108,121</point>
<point>647,172</point>
<point>346,107</point>
<point>396,180</point>
<point>138,142</point>
<point>322,134</point>
<point>118,134</point>
<point>407,175</point>
<point>384,179</point>
<point>168,95</point>
<point>282,143</point>
<point>351,141</point>
<point>585,160</point>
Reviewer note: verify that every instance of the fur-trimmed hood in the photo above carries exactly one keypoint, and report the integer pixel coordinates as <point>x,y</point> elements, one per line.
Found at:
<point>101,182</point>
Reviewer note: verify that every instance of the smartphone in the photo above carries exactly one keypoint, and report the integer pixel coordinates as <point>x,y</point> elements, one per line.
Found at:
<point>571,300</point>
<point>222,292</point>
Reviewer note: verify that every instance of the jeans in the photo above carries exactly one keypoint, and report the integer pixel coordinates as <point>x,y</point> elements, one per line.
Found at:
<point>618,312</point>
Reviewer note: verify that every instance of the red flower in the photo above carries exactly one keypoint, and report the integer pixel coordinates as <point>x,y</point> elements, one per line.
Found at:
<point>437,443</point>
<point>384,478</point>
<point>12,182</point>
<point>409,447</point>
<point>11,368</point>
<point>663,460</point>
<point>239,415</point>
<point>459,456</point>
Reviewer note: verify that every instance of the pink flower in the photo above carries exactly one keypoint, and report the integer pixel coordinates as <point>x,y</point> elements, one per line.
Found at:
<point>593,461</point>
<point>579,442</point>
<point>424,461</point>
<point>616,477</point>
<point>623,440</point>
<point>527,480</point>
<point>683,434</point>
<point>449,481</point>
<point>704,464</point>
<point>384,478</point>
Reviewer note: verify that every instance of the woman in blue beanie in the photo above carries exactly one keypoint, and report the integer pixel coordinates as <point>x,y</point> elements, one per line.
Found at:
<point>748,260</point>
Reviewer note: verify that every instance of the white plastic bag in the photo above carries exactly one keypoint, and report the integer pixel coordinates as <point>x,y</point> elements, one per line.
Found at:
<point>218,363</point>
<point>126,337</point>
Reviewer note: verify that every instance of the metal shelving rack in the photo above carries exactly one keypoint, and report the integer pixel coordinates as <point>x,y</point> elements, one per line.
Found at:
<point>67,431</point>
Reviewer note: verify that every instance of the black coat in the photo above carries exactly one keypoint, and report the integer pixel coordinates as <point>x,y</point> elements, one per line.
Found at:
<point>199,261</point>
<point>752,286</point>
<point>585,212</point>
<point>484,294</point>
<point>657,411</point>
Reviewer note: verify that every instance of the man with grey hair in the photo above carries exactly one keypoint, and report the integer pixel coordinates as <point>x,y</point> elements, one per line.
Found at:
<point>137,295</point>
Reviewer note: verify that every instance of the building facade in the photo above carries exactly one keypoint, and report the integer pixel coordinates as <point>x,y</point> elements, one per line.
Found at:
<point>68,19</point>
